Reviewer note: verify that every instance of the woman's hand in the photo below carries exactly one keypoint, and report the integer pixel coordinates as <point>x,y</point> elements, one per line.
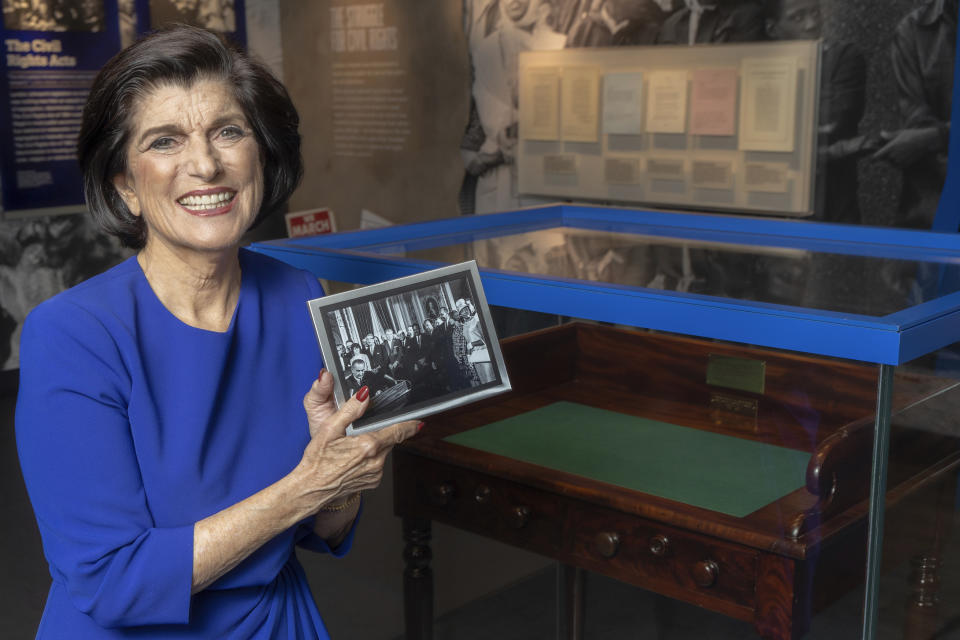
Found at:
<point>333,468</point>
<point>336,466</point>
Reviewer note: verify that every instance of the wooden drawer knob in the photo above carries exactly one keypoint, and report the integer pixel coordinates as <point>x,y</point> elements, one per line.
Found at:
<point>482,494</point>
<point>443,494</point>
<point>659,545</point>
<point>607,543</point>
<point>705,573</point>
<point>520,516</point>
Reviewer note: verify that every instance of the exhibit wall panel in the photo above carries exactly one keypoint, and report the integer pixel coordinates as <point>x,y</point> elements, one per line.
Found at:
<point>48,242</point>
<point>382,91</point>
<point>726,127</point>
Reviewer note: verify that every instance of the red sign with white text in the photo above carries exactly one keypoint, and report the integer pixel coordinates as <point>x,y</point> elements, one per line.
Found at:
<point>310,223</point>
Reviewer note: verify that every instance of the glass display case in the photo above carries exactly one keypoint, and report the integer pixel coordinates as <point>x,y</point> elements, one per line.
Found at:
<point>819,358</point>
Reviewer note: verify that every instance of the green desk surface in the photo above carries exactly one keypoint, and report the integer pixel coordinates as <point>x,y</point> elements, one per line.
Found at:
<point>709,470</point>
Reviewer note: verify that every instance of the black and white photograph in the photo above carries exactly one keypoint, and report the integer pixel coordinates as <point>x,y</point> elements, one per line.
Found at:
<point>53,15</point>
<point>420,344</point>
<point>217,15</point>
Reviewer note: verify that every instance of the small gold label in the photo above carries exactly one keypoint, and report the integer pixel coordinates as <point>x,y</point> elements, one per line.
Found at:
<point>742,374</point>
<point>741,406</point>
<point>739,414</point>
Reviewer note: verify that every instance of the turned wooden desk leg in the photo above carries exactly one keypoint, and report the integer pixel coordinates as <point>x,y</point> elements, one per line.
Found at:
<point>571,583</point>
<point>922,619</point>
<point>417,580</point>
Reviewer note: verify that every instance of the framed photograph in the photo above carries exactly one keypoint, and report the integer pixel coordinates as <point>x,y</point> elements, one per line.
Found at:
<point>422,344</point>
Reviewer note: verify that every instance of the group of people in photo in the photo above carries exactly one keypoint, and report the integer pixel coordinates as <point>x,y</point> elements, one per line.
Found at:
<point>53,15</point>
<point>445,353</point>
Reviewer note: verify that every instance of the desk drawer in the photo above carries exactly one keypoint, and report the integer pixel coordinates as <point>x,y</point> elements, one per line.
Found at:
<point>678,563</point>
<point>478,502</point>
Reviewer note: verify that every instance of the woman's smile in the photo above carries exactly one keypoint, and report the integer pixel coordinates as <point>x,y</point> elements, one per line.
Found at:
<point>208,202</point>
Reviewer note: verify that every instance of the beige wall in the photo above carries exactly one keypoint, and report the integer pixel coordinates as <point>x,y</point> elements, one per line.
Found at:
<point>361,596</point>
<point>420,183</point>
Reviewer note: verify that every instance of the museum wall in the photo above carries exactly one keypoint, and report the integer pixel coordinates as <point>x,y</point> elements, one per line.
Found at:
<point>417,175</point>
<point>382,131</point>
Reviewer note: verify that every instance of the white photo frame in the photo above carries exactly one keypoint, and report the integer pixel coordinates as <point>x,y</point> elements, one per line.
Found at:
<point>412,378</point>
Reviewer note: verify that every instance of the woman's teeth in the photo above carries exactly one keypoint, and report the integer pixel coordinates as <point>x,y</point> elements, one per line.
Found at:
<point>209,201</point>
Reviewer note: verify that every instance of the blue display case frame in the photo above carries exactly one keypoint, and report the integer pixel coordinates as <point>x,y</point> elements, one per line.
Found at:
<point>363,257</point>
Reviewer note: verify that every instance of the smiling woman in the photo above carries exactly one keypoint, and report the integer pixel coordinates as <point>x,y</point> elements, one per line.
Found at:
<point>194,179</point>
<point>111,112</point>
<point>171,456</point>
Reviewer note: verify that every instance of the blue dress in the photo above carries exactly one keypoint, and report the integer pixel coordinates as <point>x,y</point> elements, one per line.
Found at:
<point>132,426</point>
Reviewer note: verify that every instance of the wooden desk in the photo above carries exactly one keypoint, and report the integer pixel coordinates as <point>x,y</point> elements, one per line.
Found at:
<point>774,566</point>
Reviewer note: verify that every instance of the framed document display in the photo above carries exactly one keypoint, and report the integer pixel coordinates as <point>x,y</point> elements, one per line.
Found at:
<point>675,111</point>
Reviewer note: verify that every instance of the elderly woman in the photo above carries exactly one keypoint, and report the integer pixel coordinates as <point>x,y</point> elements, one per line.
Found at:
<point>171,457</point>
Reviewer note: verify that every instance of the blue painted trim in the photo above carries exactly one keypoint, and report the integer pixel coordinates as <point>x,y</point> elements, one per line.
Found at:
<point>921,339</point>
<point>845,239</point>
<point>836,238</point>
<point>345,266</point>
<point>823,333</point>
<point>783,329</point>
<point>948,210</point>
<point>513,221</point>
<point>924,312</point>
<point>363,257</point>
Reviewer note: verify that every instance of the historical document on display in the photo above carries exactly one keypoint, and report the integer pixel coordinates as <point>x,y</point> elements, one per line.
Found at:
<point>625,170</point>
<point>667,102</point>
<point>540,105</point>
<point>713,102</point>
<point>768,104</point>
<point>580,104</point>
<point>623,103</point>
<point>766,177</point>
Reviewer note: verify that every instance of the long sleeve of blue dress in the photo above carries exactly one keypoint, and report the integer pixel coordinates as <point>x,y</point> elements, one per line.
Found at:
<point>132,426</point>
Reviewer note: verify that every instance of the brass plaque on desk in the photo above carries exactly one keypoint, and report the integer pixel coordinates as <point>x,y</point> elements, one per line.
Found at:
<point>736,414</point>
<point>742,374</point>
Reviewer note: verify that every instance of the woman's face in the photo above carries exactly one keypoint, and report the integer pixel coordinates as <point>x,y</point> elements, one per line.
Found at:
<point>193,167</point>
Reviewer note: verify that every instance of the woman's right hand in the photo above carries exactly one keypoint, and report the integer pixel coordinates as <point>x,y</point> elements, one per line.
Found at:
<point>335,466</point>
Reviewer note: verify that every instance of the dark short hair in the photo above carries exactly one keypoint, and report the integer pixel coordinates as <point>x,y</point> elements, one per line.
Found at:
<point>182,55</point>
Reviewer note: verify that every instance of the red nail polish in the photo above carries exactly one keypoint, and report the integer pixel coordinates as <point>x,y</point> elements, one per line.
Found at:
<point>420,426</point>
<point>363,393</point>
